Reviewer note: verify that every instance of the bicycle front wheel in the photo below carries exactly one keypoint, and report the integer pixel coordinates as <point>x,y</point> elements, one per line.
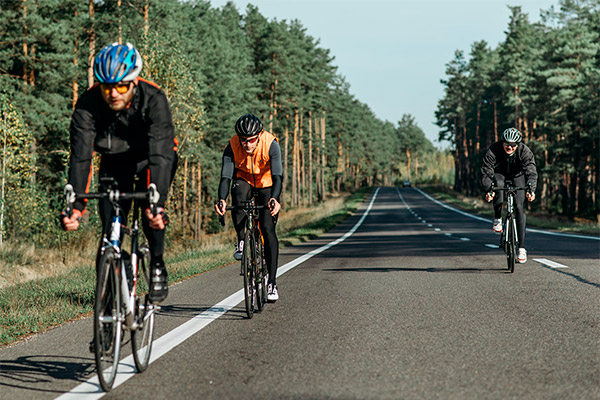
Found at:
<point>248,272</point>
<point>107,319</point>
<point>141,337</point>
<point>511,246</point>
<point>260,274</point>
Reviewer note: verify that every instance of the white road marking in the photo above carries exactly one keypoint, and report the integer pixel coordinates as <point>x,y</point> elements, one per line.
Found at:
<point>489,220</point>
<point>492,246</point>
<point>465,239</point>
<point>447,234</point>
<point>550,263</point>
<point>90,389</point>
<point>437,229</point>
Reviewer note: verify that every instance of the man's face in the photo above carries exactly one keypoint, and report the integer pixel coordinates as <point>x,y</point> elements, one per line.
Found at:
<point>509,148</point>
<point>117,95</point>
<point>249,144</point>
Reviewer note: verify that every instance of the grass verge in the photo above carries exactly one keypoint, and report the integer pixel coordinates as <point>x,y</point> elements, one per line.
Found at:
<point>36,305</point>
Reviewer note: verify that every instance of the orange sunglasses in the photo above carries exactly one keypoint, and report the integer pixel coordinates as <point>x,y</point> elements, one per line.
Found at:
<point>121,88</point>
<point>250,141</point>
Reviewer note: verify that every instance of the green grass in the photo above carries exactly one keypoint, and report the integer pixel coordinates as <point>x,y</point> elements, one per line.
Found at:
<point>37,305</point>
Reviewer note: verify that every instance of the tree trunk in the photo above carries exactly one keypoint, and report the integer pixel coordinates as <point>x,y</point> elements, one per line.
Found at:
<point>25,47</point>
<point>184,195</point>
<point>408,162</point>
<point>75,85</point>
<point>120,21</point>
<point>323,157</point>
<point>92,44</point>
<point>310,159</point>
<point>295,166</point>
<point>285,160</point>
<point>495,122</point>
<point>301,163</point>
<point>198,201</point>
<point>146,19</point>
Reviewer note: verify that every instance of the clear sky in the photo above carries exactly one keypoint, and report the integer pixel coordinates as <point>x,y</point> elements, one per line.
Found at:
<point>393,53</point>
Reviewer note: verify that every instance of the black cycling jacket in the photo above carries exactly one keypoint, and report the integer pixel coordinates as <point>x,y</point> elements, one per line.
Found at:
<point>520,162</point>
<point>142,133</point>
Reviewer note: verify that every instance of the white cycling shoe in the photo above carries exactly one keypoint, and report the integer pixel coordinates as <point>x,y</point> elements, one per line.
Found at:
<point>497,225</point>
<point>272,294</point>
<point>522,256</point>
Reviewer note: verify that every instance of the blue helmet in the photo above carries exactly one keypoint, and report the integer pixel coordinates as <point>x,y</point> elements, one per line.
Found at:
<point>116,63</point>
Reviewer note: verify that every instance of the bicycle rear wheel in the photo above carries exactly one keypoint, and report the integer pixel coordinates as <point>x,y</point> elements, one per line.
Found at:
<point>511,252</point>
<point>141,338</point>
<point>248,272</point>
<point>107,319</point>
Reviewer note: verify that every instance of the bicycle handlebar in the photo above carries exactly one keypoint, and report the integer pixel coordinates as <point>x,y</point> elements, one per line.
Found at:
<point>510,189</point>
<point>113,195</point>
<point>246,206</point>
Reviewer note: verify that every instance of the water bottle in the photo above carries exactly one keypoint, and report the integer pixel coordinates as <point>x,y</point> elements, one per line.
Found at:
<point>115,231</point>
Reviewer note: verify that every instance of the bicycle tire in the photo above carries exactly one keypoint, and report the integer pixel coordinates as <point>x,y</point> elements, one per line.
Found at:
<point>247,271</point>
<point>107,319</point>
<point>261,284</point>
<point>141,338</point>
<point>511,254</point>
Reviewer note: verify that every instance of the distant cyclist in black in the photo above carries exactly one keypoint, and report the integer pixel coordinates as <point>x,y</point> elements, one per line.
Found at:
<point>510,159</point>
<point>252,159</point>
<point>128,121</point>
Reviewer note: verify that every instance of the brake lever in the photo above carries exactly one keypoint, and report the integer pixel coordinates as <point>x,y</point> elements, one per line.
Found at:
<point>153,197</point>
<point>69,199</point>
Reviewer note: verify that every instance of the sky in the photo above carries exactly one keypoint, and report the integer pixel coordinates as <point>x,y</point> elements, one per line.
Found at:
<point>393,53</point>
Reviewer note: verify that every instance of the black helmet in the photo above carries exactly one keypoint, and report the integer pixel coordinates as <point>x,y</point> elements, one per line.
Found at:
<point>248,125</point>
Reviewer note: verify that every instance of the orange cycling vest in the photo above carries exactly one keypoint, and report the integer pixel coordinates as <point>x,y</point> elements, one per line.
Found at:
<point>254,168</point>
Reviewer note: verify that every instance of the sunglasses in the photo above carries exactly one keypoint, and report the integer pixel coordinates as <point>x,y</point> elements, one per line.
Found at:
<point>121,88</point>
<point>513,145</point>
<point>250,141</point>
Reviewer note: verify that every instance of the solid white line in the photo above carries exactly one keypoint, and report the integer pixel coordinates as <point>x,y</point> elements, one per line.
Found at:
<point>489,220</point>
<point>550,263</point>
<point>90,389</point>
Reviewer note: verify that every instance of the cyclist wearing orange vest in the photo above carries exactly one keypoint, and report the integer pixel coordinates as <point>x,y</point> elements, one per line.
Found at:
<point>252,159</point>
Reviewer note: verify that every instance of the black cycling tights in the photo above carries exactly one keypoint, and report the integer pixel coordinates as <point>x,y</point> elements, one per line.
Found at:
<point>518,181</point>
<point>242,191</point>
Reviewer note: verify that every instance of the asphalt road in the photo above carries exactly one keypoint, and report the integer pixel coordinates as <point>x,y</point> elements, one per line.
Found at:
<point>412,303</point>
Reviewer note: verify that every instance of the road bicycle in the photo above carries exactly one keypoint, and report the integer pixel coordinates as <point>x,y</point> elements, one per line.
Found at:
<point>253,265</point>
<point>509,239</point>
<point>121,301</point>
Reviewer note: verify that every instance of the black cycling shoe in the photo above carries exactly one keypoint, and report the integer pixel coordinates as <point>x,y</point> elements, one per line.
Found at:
<point>159,282</point>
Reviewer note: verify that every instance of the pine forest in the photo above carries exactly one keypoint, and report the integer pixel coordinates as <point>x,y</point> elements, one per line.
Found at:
<point>216,64</point>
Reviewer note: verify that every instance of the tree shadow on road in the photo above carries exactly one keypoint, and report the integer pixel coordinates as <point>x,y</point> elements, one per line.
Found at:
<point>189,311</point>
<point>33,372</point>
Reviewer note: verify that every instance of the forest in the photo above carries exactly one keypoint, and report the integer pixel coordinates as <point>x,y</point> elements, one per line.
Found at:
<point>214,64</point>
<point>543,79</point>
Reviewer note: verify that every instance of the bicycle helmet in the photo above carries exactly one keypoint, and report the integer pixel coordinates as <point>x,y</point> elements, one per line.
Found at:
<point>248,125</point>
<point>116,63</point>
<point>511,135</point>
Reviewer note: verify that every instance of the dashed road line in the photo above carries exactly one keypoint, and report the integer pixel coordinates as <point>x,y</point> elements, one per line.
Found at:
<point>550,263</point>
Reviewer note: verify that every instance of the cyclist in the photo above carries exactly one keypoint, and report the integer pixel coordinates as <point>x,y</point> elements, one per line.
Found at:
<point>510,159</point>
<point>128,121</point>
<point>252,159</point>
